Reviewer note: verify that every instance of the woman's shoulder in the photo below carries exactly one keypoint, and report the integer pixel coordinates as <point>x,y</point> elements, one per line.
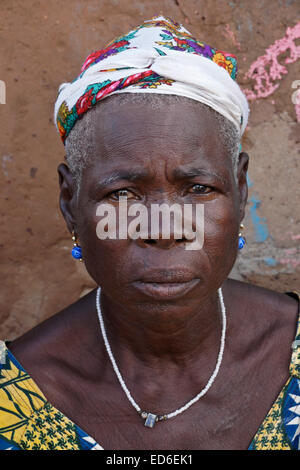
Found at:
<point>64,342</point>
<point>262,319</point>
<point>261,300</point>
<point>63,351</point>
<point>59,333</point>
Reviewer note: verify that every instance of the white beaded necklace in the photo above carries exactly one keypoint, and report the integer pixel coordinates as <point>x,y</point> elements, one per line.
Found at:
<point>151,418</point>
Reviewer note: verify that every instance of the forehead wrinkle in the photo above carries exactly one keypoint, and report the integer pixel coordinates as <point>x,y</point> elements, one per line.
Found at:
<point>125,133</point>
<point>117,135</point>
<point>153,145</point>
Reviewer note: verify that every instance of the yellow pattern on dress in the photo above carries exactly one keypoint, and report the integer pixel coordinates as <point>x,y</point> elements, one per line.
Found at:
<point>26,418</point>
<point>271,434</point>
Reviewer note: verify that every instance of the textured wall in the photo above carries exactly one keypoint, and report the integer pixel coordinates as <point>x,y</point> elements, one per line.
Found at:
<point>44,43</point>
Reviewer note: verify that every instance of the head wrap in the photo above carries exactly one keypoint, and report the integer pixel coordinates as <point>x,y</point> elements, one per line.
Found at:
<point>159,56</point>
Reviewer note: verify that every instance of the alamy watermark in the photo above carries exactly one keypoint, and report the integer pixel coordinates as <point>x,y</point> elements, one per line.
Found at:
<point>2,92</point>
<point>187,221</point>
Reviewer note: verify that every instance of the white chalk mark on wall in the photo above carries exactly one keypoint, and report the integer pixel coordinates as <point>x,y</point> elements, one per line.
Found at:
<point>2,92</point>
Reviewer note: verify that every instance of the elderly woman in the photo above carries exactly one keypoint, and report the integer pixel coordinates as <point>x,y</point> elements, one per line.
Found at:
<point>170,353</point>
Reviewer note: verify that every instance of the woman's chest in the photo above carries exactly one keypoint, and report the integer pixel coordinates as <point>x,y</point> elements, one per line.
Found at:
<point>201,427</point>
<point>228,417</point>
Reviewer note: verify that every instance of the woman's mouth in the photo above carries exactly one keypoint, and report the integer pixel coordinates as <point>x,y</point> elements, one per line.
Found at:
<point>166,290</point>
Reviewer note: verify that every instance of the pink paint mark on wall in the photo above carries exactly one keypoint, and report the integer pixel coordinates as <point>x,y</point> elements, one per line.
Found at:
<point>290,235</point>
<point>230,34</point>
<point>266,71</point>
<point>292,261</point>
<point>291,251</point>
<point>297,109</point>
<point>290,256</point>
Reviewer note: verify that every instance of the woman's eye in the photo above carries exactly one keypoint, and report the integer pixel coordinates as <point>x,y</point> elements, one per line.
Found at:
<point>121,193</point>
<point>201,189</point>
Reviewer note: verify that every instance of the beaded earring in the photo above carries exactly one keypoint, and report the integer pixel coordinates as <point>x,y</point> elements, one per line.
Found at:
<point>76,250</point>
<point>242,240</point>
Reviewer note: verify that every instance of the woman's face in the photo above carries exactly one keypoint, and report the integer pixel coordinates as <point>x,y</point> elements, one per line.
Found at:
<point>172,154</point>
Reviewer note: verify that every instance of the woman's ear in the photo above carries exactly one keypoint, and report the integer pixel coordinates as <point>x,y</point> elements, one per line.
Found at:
<point>68,196</point>
<point>242,181</point>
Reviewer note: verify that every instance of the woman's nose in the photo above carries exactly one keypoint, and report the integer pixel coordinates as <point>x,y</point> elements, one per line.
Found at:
<point>163,243</point>
<point>165,228</point>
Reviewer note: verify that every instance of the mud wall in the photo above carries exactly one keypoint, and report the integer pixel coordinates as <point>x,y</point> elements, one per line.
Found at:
<point>43,43</point>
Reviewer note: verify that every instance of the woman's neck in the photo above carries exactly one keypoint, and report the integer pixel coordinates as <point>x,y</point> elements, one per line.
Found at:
<point>164,338</point>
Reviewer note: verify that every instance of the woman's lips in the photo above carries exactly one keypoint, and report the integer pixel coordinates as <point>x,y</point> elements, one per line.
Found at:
<point>166,290</point>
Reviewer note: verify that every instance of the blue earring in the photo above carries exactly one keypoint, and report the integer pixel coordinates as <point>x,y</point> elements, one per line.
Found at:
<point>76,250</point>
<point>242,240</point>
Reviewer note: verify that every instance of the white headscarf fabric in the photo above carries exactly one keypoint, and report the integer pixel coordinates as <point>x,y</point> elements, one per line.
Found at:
<point>160,56</point>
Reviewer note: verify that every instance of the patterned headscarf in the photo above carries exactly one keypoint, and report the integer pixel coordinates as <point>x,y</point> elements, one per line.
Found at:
<point>159,56</point>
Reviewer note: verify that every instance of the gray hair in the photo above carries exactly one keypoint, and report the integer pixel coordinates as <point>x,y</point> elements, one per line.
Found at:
<point>77,153</point>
